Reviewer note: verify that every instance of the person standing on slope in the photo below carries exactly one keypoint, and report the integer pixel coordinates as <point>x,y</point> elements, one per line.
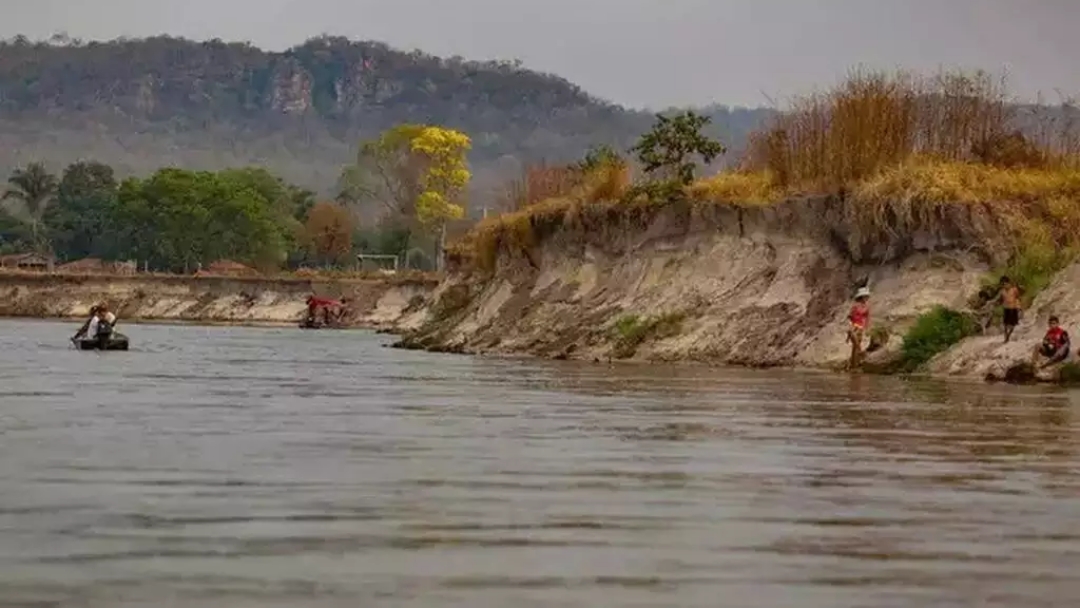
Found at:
<point>1010,303</point>
<point>858,323</point>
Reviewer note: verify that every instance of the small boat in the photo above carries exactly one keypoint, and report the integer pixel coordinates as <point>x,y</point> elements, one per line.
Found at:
<point>117,341</point>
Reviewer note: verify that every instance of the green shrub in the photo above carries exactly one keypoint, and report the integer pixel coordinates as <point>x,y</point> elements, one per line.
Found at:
<point>1032,269</point>
<point>630,331</point>
<point>879,337</point>
<point>933,333</point>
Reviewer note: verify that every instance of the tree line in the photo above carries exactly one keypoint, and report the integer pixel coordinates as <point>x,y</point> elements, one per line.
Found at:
<point>178,219</point>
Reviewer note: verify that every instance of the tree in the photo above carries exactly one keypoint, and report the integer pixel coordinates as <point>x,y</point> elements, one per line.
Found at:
<point>418,173</point>
<point>443,180</point>
<point>177,219</point>
<point>302,202</point>
<point>388,169</point>
<point>78,224</point>
<point>329,232</point>
<point>355,185</point>
<point>288,204</point>
<point>669,148</point>
<point>598,157</point>
<point>15,235</point>
<point>384,183</point>
<point>34,187</point>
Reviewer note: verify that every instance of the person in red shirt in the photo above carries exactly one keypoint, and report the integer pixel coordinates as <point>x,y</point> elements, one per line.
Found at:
<point>1054,347</point>
<point>315,303</point>
<point>858,323</point>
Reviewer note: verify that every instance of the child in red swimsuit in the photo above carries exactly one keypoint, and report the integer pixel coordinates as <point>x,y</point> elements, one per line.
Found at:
<point>859,319</point>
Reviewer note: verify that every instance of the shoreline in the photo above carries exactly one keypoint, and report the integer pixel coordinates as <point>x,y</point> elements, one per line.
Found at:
<point>1041,381</point>
<point>734,285</point>
<point>376,302</point>
<point>167,321</point>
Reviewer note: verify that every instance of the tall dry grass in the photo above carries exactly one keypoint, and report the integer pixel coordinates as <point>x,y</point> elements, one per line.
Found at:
<point>542,182</point>
<point>542,195</point>
<point>898,146</point>
<point>875,120</point>
<point>537,182</point>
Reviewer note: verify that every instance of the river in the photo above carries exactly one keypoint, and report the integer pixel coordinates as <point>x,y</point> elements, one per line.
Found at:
<point>242,467</point>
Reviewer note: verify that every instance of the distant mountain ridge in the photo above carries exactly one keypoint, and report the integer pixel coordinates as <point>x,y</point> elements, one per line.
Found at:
<point>141,104</point>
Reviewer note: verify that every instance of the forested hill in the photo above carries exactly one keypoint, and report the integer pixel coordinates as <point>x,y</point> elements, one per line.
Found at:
<point>141,104</point>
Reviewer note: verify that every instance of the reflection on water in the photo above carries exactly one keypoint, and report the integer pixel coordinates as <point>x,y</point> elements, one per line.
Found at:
<point>271,467</point>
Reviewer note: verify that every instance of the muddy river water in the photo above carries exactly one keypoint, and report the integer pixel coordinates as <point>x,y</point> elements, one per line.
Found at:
<point>225,467</point>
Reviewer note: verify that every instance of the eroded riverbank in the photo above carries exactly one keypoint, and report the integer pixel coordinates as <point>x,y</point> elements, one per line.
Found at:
<point>378,302</point>
<point>757,286</point>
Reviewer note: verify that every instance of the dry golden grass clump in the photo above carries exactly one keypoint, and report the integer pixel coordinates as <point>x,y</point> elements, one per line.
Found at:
<point>896,148</point>
<point>874,121</point>
<point>542,196</point>
<point>1031,205</point>
<point>535,184</point>
<point>739,187</point>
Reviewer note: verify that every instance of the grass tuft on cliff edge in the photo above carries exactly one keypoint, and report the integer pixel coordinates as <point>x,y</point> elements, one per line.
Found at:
<point>898,149</point>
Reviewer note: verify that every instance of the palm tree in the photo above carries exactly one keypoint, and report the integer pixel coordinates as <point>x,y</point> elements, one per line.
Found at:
<point>34,187</point>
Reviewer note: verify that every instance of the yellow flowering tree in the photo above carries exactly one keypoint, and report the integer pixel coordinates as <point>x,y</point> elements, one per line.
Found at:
<point>444,178</point>
<point>418,173</point>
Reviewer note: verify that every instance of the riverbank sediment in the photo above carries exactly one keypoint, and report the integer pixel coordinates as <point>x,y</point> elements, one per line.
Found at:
<point>378,302</point>
<point>751,285</point>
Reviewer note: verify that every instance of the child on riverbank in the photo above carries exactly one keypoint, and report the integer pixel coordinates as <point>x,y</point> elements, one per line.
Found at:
<point>1055,345</point>
<point>1010,302</point>
<point>859,321</point>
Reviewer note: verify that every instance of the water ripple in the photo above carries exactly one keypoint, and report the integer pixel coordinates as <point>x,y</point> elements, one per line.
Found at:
<point>269,467</point>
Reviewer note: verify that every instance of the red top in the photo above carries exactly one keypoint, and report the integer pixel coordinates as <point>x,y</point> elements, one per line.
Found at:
<point>859,315</point>
<point>317,302</point>
<point>1056,336</point>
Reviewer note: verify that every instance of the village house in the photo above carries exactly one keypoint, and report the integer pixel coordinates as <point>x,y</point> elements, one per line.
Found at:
<point>27,261</point>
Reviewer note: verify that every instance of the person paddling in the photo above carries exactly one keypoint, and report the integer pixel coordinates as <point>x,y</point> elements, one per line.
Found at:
<point>859,321</point>
<point>99,326</point>
<point>86,326</point>
<point>102,330</point>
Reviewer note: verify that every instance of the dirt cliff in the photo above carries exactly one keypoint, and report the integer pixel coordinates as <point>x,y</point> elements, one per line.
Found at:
<point>747,285</point>
<point>377,302</point>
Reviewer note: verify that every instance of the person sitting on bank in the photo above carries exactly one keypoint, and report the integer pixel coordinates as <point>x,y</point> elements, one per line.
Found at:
<point>859,321</point>
<point>1055,345</point>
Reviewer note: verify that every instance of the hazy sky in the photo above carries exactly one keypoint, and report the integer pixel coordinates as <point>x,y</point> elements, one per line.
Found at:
<point>636,52</point>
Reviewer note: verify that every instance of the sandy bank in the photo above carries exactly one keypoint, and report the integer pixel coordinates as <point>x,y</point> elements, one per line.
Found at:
<point>728,284</point>
<point>377,302</point>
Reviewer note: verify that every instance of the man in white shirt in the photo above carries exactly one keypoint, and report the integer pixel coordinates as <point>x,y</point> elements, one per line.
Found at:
<point>99,326</point>
<point>101,314</point>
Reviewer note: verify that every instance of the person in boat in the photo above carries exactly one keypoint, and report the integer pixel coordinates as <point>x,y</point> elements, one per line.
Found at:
<point>858,323</point>
<point>83,330</point>
<point>1055,345</point>
<point>99,326</point>
<point>102,325</point>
